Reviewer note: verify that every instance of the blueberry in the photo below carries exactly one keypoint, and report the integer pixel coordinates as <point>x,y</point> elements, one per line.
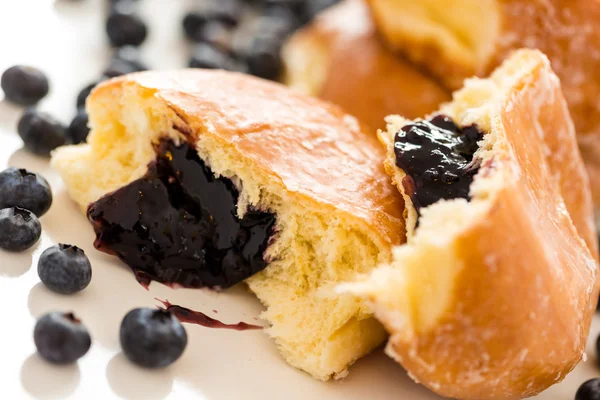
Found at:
<point>192,24</point>
<point>65,269</point>
<point>227,12</point>
<point>262,56</point>
<point>152,338</point>
<point>118,67</point>
<point>85,92</point>
<point>41,132</point>
<point>24,85</point>
<point>130,55</point>
<point>216,34</point>
<point>207,56</point>
<point>124,27</point>
<point>19,229</point>
<point>24,189</point>
<point>78,130</point>
<point>590,390</point>
<point>61,338</point>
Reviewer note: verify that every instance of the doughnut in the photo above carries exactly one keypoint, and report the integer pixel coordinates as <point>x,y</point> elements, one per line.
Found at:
<point>493,294</point>
<point>204,178</point>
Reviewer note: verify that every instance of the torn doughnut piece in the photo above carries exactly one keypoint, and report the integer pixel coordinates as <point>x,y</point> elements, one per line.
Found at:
<point>454,40</point>
<point>492,297</point>
<point>209,178</point>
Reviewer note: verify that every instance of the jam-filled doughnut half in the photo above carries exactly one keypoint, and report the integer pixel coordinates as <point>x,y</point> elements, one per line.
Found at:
<point>456,39</point>
<point>207,179</point>
<point>493,295</point>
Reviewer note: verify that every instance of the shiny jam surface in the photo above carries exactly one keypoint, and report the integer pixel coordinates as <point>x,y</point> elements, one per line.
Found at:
<point>178,224</point>
<point>437,156</point>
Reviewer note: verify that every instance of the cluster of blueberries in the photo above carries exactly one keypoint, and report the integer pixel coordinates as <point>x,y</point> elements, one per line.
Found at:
<point>236,35</point>
<point>244,35</point>
<point>150,338</point>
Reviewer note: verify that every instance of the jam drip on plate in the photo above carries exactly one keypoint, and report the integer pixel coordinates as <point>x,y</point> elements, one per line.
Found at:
<point>437,157</point>
<point>178,224</point>
<point>199,318</point>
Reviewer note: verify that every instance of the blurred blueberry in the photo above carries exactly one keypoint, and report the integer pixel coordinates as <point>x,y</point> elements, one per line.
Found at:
<point>124,27</point>
<point>227,12</point>
<point>24,85</point>
<point>131,55</point>
<point>41,132</point>
<point>78,130</point>
<point>210,57</point>
<point>261,53</point>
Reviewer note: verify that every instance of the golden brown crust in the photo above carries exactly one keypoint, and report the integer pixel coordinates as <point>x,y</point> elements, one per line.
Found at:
<point>520,278</point>
<point>339,58</point>
<point>308,145</point>
<point>565,30</point>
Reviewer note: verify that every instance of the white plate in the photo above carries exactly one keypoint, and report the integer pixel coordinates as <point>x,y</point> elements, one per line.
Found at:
<point>66,39</point>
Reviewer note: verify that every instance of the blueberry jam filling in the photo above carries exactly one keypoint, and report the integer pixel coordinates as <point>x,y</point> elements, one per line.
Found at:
<point>178,224</point>
<point>437,156</point>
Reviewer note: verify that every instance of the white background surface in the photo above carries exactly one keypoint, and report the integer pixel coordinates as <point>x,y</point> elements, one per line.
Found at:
<point>66,39</point>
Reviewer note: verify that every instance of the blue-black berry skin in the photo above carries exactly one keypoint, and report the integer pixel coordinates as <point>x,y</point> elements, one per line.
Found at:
<point>590,390</point>
<point>19,229</point>
<point>84,93</point>
<point>118,67</point>
<point>152,338</point>
<point>262,56</point>
<point>61,338</point>
<point>24,189</point>
<point>41,132</point>
<point>207,56</point>
<point>216,34</point>
<point>78,130</point>
<point>130,55</point>
<point>125,28</point>
<point>65,269</point>
<point>227,12</point>
<point>24,85</point>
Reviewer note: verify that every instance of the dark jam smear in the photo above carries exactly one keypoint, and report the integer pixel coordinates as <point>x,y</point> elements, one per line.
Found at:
<point>437,156</point>
<point>178,224</point>
<point>199,318</point>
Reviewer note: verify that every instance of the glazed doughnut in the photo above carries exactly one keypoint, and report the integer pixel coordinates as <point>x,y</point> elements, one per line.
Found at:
<point>493,295</point>
<point>339,58</point>
<point>207,178</point>
<point>455,40</point>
